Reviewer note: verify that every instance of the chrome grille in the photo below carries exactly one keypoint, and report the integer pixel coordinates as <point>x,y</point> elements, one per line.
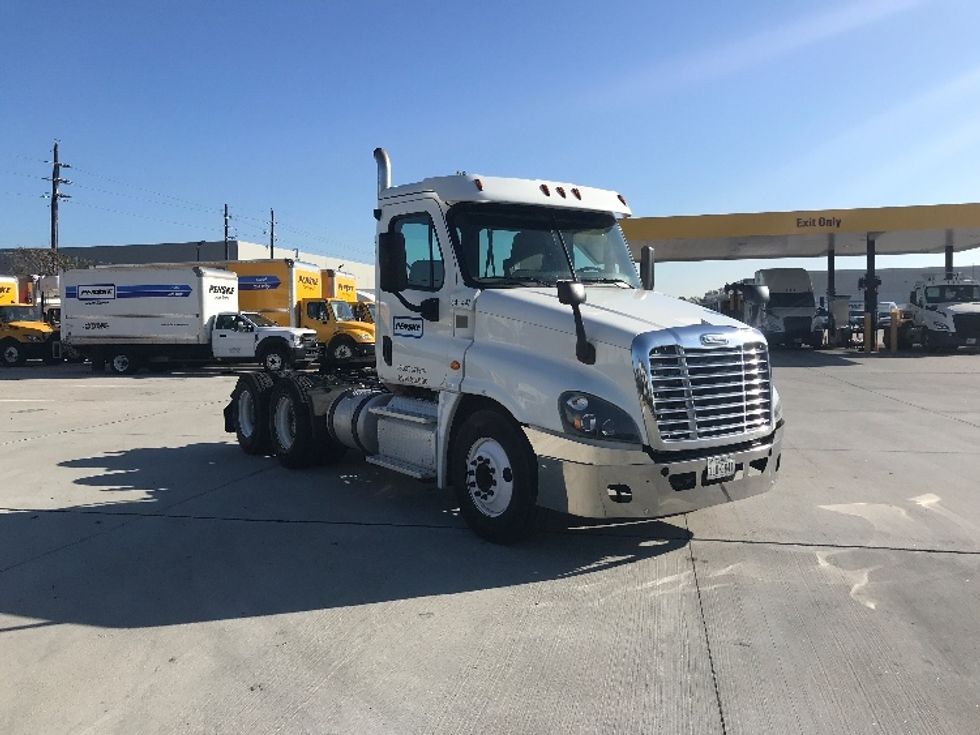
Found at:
<point>705,393</point>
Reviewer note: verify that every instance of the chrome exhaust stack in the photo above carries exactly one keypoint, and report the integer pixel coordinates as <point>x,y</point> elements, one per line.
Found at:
<point>384,169</point>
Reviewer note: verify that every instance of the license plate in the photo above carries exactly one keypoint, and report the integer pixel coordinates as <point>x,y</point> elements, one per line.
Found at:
<point>971,340</point>
<point>719,467</point>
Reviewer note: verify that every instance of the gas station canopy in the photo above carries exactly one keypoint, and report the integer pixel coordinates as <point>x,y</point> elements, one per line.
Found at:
<point>894,230</point>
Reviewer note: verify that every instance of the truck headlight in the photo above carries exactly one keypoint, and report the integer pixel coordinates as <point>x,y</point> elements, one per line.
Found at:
<point>939,326</point>
<point>364,336</point>
<point>586,415</point>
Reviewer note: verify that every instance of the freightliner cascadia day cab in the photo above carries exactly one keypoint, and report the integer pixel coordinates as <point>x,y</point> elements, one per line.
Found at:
<point>23,336</point>
<point>153,315</point>
<point>945,314</point>
<point>522,362</point>
<point>296,294</point>
<point>788,316</point>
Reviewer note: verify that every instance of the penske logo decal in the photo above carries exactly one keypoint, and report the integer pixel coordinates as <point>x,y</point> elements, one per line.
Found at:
<point>109,291</point>
<point>407,326</point>
<point>221,290</point>
<point>258,283</point>
<point>309,280</point>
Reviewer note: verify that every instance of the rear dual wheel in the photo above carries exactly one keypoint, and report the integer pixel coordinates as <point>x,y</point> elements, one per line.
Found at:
<point>251,413</point>
<point>298,436</point>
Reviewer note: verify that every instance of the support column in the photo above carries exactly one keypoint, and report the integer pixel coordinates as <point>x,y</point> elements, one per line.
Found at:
<point>871,298</point>
<point>831,288</point>
<point>949,254</point>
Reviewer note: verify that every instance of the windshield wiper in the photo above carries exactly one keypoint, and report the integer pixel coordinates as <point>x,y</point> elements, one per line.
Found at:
<point>606,280</point>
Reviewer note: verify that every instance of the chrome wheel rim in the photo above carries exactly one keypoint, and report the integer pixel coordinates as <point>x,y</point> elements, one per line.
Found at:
<point>11,354</point>
<point>246,413</point>
<point>489,477</point>
<point>274,361</point>
<point>285,423</point>
<point>120,363</point>
<point>342,352</point>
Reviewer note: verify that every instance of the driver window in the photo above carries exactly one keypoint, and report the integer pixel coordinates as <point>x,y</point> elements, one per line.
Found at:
<point>317,310</point>
<point>423,254</point>
<point>225,321</point>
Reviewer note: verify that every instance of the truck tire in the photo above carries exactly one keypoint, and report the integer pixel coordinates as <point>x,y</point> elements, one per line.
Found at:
<point>11,353</point>
<point>275,358</point>
<point>122,363</point>
<point>291,428</point>
<point>251,412</point>
<point>495,476</point>
<point>340,349</point>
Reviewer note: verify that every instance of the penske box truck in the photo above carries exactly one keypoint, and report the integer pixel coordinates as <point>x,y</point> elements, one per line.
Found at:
<point>297,294</point>
<point>128,317</point>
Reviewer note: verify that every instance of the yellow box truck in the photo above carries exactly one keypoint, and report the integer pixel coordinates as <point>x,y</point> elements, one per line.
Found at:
<point>296,294</point>
<point>22,335</point>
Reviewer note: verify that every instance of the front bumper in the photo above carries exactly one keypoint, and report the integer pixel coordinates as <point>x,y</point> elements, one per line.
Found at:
<point>601,482</point>
<point>306,353</point>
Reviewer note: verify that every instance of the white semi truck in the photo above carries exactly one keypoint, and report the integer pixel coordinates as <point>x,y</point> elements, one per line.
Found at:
<point>945,314</point>
<point>128,317</point>
<point>788,317</point>
<point>522,362</point>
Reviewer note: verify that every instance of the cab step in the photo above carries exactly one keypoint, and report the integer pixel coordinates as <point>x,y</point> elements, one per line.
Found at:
<point>402,467</point>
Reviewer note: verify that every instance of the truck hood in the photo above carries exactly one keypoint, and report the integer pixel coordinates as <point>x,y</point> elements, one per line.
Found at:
<point>31,327</point>
<point>611,314</point>
<point>286,331</point>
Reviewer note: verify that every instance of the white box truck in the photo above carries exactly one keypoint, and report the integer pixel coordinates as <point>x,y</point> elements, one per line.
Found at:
<point>523,363</point>
<point>128,317</point>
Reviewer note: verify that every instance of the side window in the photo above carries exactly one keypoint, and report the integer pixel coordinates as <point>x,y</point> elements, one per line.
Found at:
<point>225,321</point>
<point>426,268</point>
<point>317,310</point>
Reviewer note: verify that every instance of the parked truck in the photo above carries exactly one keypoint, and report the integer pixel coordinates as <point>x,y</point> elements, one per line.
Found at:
<point>523,363</point>
<point>945,314</point>
<point>789,315</point>
<point>22,335</point>
<point>296,294</point>
<point>129,317</point>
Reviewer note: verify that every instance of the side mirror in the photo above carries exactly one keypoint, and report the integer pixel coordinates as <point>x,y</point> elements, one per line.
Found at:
<point>646,267</point>
<point>392,262</point>
<point>571,293</point>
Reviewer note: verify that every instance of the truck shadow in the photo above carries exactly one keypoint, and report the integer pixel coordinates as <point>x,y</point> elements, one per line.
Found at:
<point>178,539</point>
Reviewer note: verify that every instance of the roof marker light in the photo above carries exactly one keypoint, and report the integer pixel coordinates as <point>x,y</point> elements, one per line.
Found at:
<point>577,194</point>
<point>621,198</point>
<point>545,190</point>
<point>479,184</point>
<point>561,191</point>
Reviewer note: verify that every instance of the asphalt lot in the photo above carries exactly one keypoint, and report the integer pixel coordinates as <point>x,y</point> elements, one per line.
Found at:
<point>154,579</point>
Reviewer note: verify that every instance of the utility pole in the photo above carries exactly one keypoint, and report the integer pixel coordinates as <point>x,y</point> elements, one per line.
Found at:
<point>272,234</point>
<point>56,195</point>
<point>227,256</point>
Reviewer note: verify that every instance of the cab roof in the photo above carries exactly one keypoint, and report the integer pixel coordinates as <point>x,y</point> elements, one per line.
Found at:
<point>465,187</point>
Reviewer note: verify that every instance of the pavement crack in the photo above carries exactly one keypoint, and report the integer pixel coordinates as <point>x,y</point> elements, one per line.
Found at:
<point>707,640</point>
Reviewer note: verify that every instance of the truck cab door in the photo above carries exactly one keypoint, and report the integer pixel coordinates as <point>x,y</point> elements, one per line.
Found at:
<point>232,337</point>
<point>315,314</point>
<point>414,350</point>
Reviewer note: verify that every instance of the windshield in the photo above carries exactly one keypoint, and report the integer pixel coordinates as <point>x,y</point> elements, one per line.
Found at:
<point>343,311</point>
<point>504,245</point>
<point>955,294</point>
<point>259,320</point>
<point>791,300</point>
<point>17,314</point>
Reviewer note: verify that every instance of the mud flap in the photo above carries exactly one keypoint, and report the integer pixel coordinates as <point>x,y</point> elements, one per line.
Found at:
<point>230,410</point>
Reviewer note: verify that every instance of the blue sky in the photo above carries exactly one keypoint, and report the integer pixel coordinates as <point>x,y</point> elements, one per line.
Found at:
<point>167,110</point>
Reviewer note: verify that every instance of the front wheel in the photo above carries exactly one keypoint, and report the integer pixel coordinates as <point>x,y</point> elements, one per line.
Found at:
<point>275,359</point>
<point>495,477</point>
<point>12,354</point>
<point>341,349</point>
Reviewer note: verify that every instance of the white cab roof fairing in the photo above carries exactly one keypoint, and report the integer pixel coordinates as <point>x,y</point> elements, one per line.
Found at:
<point>801,234</point>
<point>477,188</point>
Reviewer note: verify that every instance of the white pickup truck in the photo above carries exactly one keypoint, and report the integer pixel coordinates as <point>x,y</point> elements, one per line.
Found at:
<point>128,317</point>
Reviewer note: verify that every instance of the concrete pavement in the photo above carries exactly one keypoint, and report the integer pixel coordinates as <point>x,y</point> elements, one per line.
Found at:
<point>155,579</point>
